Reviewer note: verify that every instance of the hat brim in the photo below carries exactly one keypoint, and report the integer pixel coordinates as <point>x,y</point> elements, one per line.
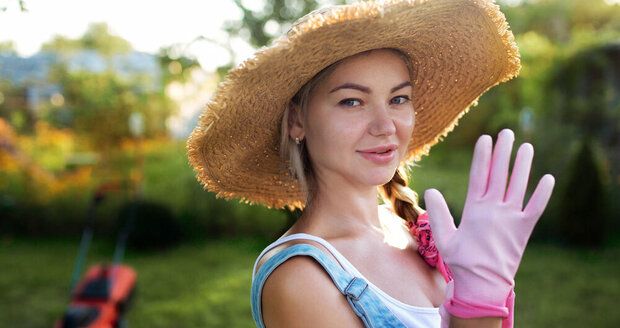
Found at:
<point>459,49</point>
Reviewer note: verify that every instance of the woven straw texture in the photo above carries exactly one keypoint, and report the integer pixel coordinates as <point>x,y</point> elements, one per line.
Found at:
<point>459,49</point>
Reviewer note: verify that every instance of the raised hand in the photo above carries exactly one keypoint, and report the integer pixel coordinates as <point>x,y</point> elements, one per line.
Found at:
<point>485,251</point>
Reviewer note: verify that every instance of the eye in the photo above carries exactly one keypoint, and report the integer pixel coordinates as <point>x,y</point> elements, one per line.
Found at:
<point>401,99</point>
<point>350,102</point>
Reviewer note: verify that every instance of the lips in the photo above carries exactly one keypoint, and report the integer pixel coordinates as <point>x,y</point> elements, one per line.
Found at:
<point>380,149</point>
<point>380,155</point>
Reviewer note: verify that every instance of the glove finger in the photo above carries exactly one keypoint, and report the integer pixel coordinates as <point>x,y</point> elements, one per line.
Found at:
<point>480,165</point>
<point>499,165</point>
<point>538,202</point>
<point>440,219</point>
<point>520,175</point>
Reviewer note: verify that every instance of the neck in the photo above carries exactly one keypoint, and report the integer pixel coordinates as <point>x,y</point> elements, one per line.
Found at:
<point>340,210</point>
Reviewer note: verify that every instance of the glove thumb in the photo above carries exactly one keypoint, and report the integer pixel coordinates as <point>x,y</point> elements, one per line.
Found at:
<point>440,219</point>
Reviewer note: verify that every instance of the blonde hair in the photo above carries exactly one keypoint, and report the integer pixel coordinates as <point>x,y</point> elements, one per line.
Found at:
<point>396,193</point>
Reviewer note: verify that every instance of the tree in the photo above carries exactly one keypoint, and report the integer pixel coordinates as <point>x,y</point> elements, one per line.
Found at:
<point>98,106</point>
<point>584,206</point>
<point>97,37</point>
<point>260,27</point>
<point>8,47</point>
<point>61,44</point>
<point>558,20</point>
<point>175,67</point>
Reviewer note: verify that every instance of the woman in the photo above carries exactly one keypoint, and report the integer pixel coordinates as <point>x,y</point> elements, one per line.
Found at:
<point>328,119</point>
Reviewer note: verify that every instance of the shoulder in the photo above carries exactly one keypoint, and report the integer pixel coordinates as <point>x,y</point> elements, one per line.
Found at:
<point>300,291</point>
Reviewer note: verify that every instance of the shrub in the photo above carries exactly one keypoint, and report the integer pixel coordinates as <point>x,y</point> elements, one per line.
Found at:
<point>150,225</point>
<point>583,206</point>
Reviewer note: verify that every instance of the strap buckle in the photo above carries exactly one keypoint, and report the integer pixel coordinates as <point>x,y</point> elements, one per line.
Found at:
<point>356,288</point>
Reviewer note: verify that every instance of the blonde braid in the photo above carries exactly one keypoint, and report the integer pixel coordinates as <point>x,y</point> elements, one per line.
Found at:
<point>403,200</point>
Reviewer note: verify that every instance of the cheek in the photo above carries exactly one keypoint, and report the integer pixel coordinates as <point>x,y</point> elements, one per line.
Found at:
<point>405,117</point>
<point>334,136</point>
<point>404,127</point>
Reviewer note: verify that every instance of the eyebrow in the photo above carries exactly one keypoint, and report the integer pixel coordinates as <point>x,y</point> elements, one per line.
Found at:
<point>365,89</point>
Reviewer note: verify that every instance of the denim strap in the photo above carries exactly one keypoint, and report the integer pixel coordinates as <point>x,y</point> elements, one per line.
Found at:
<point>363,300</point>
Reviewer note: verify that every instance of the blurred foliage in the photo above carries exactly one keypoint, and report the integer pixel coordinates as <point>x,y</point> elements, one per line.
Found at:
<point>13,107</point>
<point>559,20</point>
<point>581,102</point>
<point>52,158</point>
<point>176,66</point>
<point>584,203</point>
<point>37,194</point>
<point>150,225</point>
<point>200,213</point>
<point>98,106</point>
<point>8,47</point>
<point>51,199</point>
<point>583,98</point>
<point>261,26</point>
<point>97,37</point>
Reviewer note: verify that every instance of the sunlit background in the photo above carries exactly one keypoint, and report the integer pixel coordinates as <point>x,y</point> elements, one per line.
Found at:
<point>98,97</point>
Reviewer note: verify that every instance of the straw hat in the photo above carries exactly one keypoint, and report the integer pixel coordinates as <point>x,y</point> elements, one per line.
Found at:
<point>459,49</point>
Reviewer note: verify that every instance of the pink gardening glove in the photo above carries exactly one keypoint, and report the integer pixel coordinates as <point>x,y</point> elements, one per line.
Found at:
<point>484,253</point>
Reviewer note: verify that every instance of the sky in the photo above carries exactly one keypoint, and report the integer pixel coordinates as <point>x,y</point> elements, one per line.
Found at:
<point>147,25</point>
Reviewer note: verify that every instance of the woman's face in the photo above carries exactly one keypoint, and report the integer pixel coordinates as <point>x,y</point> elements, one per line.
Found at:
<point>363,106</point>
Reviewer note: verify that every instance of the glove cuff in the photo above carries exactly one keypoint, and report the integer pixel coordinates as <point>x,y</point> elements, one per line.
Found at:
<point>469,309</point>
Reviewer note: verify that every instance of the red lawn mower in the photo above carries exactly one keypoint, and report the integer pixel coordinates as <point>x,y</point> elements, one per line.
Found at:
<point>103,296</point>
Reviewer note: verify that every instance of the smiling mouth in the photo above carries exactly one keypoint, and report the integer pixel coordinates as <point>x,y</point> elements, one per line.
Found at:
<point>380,157</point>
<point>380,149</point>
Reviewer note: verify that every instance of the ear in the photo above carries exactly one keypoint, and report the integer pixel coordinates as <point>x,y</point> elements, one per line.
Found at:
<point>295,122</point>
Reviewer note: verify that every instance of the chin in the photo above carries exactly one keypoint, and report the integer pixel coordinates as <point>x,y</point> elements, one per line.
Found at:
<point>381,178</point>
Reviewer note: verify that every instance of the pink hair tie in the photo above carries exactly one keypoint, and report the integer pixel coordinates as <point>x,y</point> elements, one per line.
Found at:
<point>426,245</point>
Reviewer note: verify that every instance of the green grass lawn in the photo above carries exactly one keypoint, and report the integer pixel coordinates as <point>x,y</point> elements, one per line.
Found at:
<point>207,284</point>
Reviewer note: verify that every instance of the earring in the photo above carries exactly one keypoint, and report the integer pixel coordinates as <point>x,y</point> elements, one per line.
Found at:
<point>297,141</point>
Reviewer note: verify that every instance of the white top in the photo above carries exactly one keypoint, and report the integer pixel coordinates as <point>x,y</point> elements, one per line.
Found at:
<point>411,316</point>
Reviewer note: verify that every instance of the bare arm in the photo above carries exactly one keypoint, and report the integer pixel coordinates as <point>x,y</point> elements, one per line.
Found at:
<point>299,293</point>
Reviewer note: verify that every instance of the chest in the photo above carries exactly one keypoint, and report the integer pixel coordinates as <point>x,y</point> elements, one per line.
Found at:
<point>401,273</point>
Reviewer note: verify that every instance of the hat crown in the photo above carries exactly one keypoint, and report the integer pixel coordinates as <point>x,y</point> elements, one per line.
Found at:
<point>325,16</point>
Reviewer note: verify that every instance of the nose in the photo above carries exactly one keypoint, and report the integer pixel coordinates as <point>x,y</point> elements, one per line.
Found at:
<point>382,124</point>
